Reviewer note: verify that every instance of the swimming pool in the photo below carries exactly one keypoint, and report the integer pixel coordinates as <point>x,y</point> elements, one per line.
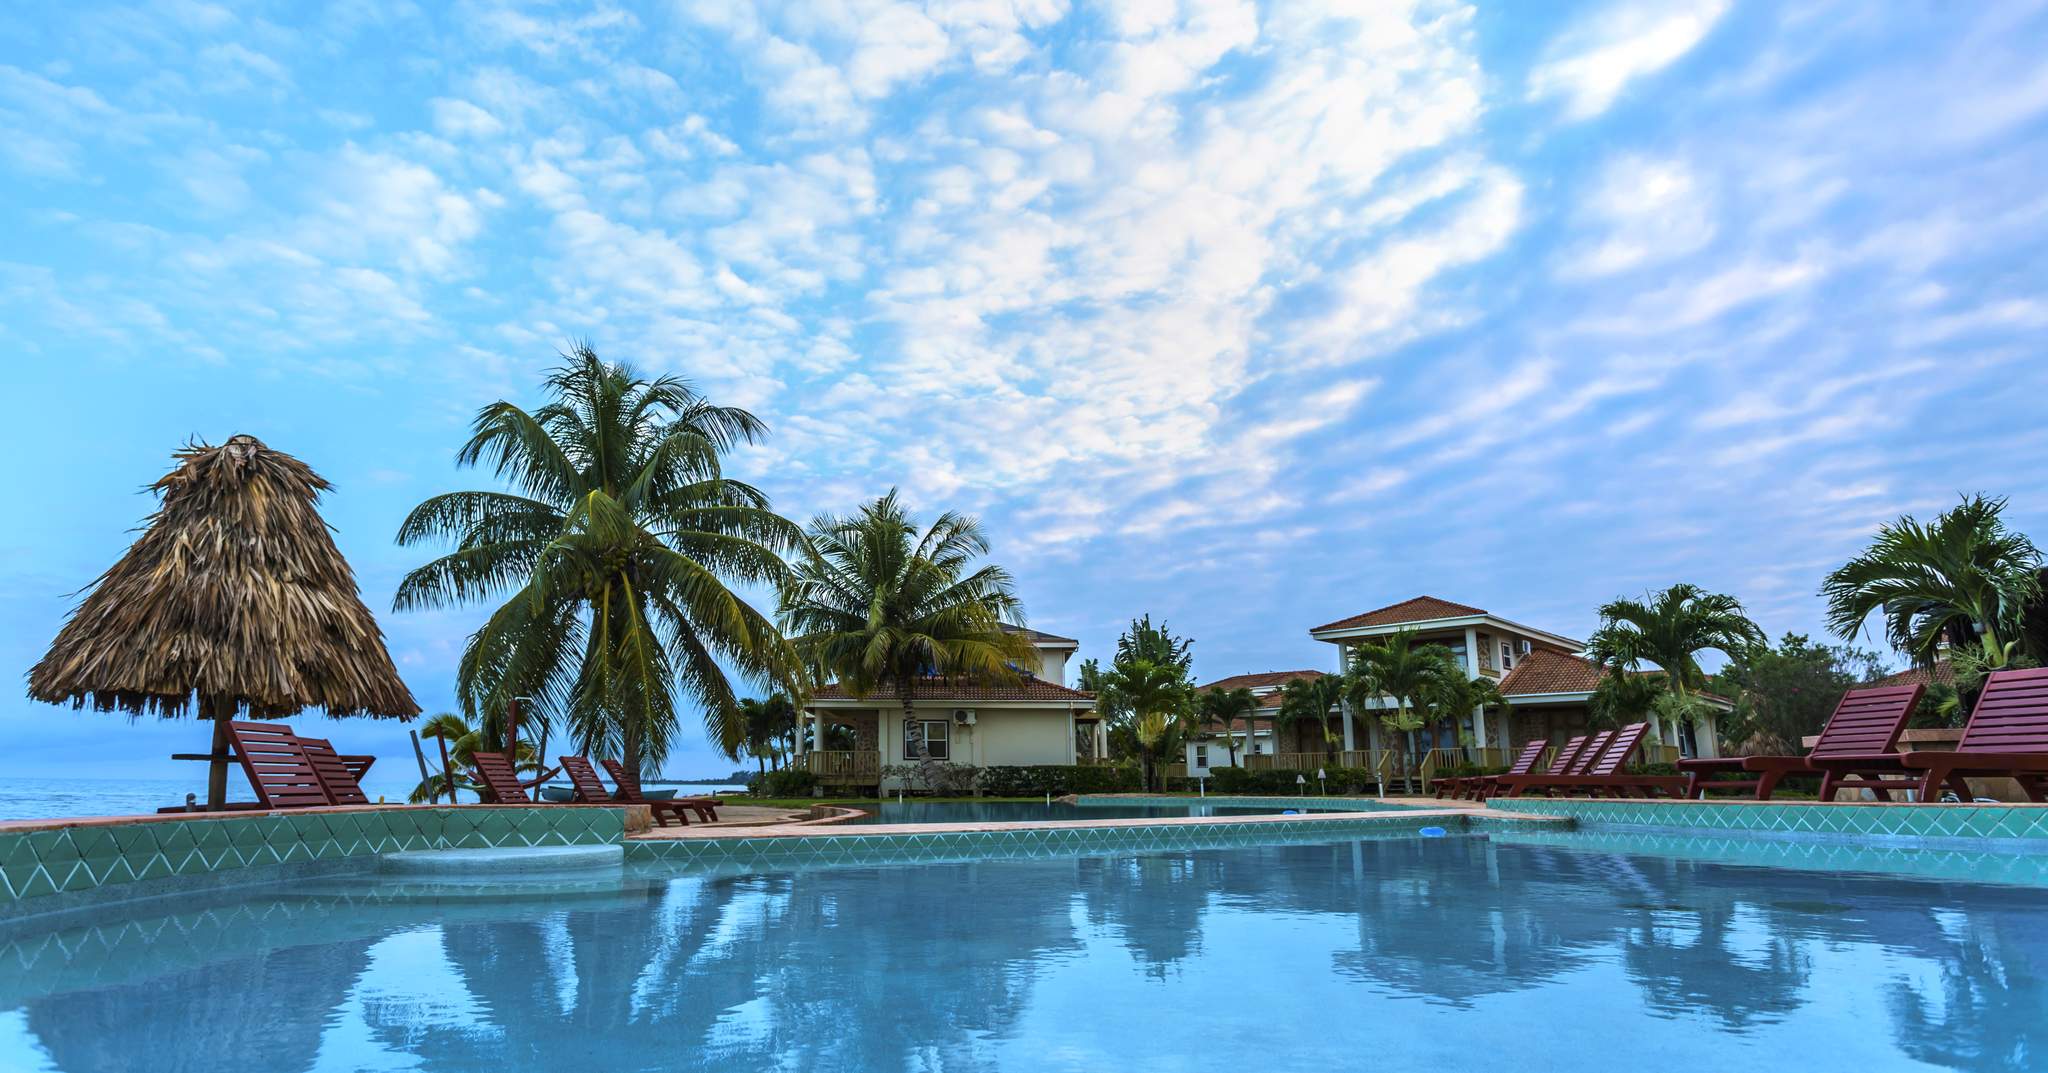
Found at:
<point>914,811</point>
<point>1397,952</point>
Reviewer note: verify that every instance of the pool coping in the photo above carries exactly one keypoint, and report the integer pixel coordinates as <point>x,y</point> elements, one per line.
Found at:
<point>832,829</point>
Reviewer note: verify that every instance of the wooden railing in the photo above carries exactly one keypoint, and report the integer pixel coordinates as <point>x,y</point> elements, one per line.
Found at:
<point>845,766</point>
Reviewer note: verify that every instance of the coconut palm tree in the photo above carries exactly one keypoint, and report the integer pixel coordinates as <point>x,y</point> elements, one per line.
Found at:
<point>459,744</point>
<point>614,555</point>
<point>1964,577</point>
<point>1159,701</point>
<point>770,726</point>
<point>1670,629</point>
<point>1224,707</point>
<point>1452,697</point>
<point>1400,670</point>
<point>881,607</point>
<point>1309,700</point>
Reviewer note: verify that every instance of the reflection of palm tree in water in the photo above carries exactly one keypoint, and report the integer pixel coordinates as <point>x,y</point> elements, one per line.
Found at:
<point>264,1011</point>
<point>1154,902</point>
<point>1986,1016</point>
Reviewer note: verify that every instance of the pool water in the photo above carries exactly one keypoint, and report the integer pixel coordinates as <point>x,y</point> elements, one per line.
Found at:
<point>912,811</point>
<point>1397,953</point>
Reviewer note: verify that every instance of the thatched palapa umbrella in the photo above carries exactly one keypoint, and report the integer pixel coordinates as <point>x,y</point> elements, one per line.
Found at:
<point>234,595</point>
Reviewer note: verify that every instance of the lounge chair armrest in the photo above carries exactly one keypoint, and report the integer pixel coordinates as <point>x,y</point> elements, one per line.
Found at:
<point>1720,763</point>
<point>1977,761</point>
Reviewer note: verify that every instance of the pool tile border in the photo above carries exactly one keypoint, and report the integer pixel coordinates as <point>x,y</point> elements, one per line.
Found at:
<point>1336,804</point>
<point>1850,819</point>
<point>127,854</point>
<point>1029,840</point>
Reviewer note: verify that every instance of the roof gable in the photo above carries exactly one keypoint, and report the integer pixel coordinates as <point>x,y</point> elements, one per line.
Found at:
<point>1415,609</point>
<point>1259,682</point>
<point>1544,670</point>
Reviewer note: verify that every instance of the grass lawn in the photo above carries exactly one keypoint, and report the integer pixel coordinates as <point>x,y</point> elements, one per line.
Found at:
<point>870,802</point>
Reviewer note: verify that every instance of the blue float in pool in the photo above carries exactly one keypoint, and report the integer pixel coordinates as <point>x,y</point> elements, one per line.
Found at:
<point>1432,832</point>
<point>1290,812</point>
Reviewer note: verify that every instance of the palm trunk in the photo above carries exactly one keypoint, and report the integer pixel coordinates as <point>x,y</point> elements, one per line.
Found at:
<point>217,768</point>
<point>447,769</point>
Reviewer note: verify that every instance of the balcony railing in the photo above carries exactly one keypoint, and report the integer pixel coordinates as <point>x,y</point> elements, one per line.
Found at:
<point>854,767</point>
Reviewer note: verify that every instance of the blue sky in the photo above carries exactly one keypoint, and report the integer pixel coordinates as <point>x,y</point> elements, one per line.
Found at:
<point>1247,316</point>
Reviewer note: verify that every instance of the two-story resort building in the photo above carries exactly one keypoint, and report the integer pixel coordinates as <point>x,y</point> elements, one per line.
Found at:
<point>1036,719</point>
<point>1547,684</point>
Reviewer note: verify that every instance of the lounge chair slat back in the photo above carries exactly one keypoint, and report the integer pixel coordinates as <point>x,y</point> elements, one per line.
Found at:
<point>335,777</point>
<point>627,781</point>
<point>1525,761</point>
<point>2011,714</point>
<point>1867,721</point>
<point>1590,755</point>
<point>500,779</point>
<point>1568,755</point>
<point>589,788</point>
<point>1618,749</point>
<point>279,770</point>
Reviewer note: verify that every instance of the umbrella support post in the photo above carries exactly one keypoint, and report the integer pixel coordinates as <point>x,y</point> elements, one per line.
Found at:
<point>217,769</point>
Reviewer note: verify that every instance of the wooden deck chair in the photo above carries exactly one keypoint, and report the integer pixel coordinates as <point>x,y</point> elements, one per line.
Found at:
<point>1457,787</point>
<point>1865,722</point>
<point>336,779</point>
<point>2006,737</point>
<point>629,792</point>
<point>279,770</point>
<point>498,779</point>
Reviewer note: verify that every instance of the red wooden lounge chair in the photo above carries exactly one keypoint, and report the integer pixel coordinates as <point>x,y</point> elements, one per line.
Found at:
<point>499,780</point>
<point>1606,776</point>
<point>629,792</point>
<point>583,777</point>
<point>279,770</point>
<point>336,779</point>
<point>1865,722</point>
<point>1574,758</point>
<point>2006,737</point>
<point>1458,786</point>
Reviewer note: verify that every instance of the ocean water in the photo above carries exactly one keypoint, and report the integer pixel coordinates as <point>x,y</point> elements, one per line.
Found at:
<point>1448,953</point>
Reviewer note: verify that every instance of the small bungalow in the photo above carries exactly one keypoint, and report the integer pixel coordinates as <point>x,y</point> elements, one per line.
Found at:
<point>1036,719</point>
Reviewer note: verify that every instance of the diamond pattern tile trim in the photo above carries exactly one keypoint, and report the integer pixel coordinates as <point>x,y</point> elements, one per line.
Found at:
<point>1902,821</point>
<point>1339,804</point>
<point>727,854</point>
<point>40,863</point>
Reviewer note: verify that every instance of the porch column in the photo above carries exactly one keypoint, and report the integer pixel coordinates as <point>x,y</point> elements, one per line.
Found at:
<point>1344,708</point>
<point>1471,651</point>
<point>1101,740</point>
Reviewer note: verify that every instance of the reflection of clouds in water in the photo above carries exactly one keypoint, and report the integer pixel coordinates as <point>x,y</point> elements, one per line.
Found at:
<point>19,1047</point>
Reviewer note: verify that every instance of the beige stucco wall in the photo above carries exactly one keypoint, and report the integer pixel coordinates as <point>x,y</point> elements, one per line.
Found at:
<point>1021,736</point>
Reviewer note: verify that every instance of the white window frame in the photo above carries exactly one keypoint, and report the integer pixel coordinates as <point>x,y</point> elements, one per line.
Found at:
<point>1507,655</point>
<point>943,742</point>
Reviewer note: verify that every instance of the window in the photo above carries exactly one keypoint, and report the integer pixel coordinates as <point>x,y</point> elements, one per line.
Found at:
<point>932,734</point>
<point>1507,656</point>
<point>1201,756</point>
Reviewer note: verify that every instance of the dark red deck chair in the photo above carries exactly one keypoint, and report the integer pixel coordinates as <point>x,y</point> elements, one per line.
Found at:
<point>1574,756</point>
<point>499,779</point>
<point>279,770</point>
<point>1458,786</point>
<point>1606,776</point>
<point>335,777</point>
<point>1865,722</point>
<point>583,777</point>
<point>628,783</point>
<point>2006,738</point>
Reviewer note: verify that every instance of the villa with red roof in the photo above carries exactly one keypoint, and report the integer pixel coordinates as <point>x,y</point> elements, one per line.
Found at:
<point>1547,684</point>
<point>1037,719</point>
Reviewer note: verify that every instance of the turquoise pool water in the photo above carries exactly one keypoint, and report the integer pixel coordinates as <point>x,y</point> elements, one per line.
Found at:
<point>1397,953</point>
<point>890,812</point>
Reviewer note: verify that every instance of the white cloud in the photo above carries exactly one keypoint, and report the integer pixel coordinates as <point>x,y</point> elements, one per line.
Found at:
<point>1591,64</point>
<point>1641,211</point>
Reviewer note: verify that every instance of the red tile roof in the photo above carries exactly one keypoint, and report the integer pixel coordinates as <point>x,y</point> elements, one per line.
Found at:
<point>1259,682</point>
<point>946,689</point>
<point>1543,670</point>
<point>1943,672</point>
<point>1419,609</point>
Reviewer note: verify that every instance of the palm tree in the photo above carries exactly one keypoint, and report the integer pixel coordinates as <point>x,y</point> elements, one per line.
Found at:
<point>1454,696</point>
<point>1670,629</point>
<point>1309,700</point>
<point>1157,697</point>
<point>460,743</point>
<point>1404,672</point>
<point>616,550</point>
<point>1965,577</point>
<point>880,607</point>
<point>770,725</point>
<point>1224,707</point>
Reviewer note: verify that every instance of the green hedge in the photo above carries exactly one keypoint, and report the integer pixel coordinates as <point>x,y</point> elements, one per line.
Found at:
<point>784,784</point>
<point>1340,780</point>
<point>1058,779</point>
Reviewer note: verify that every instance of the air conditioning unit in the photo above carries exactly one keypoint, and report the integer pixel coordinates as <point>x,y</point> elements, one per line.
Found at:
<point>964,716</point>
<point>1526,648</point>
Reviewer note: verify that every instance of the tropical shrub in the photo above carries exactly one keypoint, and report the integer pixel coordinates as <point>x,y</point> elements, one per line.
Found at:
<point>1059,779</point>
<point>789,783</point>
